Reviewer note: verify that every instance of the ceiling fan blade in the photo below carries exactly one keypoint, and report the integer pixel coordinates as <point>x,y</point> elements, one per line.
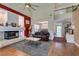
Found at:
<point>33,8</point>
<point>35,5</point>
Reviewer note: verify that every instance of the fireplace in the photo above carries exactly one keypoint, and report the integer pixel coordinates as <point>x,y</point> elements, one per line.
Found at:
<point>11,34</point>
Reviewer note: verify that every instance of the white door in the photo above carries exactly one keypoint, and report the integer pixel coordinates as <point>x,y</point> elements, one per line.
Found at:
<point>58,31</point>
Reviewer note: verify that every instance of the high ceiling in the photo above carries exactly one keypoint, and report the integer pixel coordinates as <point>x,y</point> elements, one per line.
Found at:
<point>43,12</point>
<point>46,11</point>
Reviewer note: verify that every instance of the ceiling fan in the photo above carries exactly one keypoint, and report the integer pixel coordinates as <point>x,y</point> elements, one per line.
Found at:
<point>74,7</point>
<point>31,6</point>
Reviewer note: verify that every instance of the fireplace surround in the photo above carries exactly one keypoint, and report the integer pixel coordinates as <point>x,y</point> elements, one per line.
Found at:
<point>11,34</point>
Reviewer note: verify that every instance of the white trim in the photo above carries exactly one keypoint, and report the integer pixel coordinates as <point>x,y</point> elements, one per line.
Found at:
<point>76,44</point>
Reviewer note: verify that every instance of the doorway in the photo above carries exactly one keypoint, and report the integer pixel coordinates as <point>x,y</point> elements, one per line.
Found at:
<point>58,31</point>
<point>58,35</point>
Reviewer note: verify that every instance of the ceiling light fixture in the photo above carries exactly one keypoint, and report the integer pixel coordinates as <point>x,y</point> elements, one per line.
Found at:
<point>27,6</point>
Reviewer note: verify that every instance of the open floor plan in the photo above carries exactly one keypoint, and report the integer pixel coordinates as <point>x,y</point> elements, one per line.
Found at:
<point>39,29</point>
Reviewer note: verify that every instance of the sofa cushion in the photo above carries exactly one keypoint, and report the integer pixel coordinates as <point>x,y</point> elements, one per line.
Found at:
<point>37,33</point>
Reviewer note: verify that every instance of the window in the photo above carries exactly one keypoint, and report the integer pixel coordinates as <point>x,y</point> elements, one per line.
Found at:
<point>44,24</point>
<point>21,24</point>
<point>3,16</point>
<point>21,21</point>
<point>36,27</point>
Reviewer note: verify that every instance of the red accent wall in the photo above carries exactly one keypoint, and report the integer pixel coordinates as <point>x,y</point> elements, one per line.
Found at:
<point>26,26</point>
<point>26,32</point>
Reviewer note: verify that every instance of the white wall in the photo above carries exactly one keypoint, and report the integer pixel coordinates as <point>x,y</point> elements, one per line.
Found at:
<point>12,18</point>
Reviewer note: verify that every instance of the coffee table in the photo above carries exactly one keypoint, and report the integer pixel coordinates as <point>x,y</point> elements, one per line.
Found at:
<point>33,41</point>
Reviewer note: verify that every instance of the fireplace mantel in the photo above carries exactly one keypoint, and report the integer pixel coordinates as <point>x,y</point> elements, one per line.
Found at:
<point>9,28</point>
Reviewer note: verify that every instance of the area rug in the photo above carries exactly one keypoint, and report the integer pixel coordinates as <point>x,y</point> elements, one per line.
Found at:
<point>33,48</point>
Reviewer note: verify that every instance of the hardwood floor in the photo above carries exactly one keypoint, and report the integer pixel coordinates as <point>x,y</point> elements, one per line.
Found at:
<point>9,51</point>
<point>59,39</point>
<point>63,49</point>
<point>56,49</point>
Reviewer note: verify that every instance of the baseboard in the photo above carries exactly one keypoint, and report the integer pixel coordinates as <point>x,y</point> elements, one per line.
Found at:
<point>77,44</point>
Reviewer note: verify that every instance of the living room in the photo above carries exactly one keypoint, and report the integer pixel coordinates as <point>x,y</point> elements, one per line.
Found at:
<point>31,29</point>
